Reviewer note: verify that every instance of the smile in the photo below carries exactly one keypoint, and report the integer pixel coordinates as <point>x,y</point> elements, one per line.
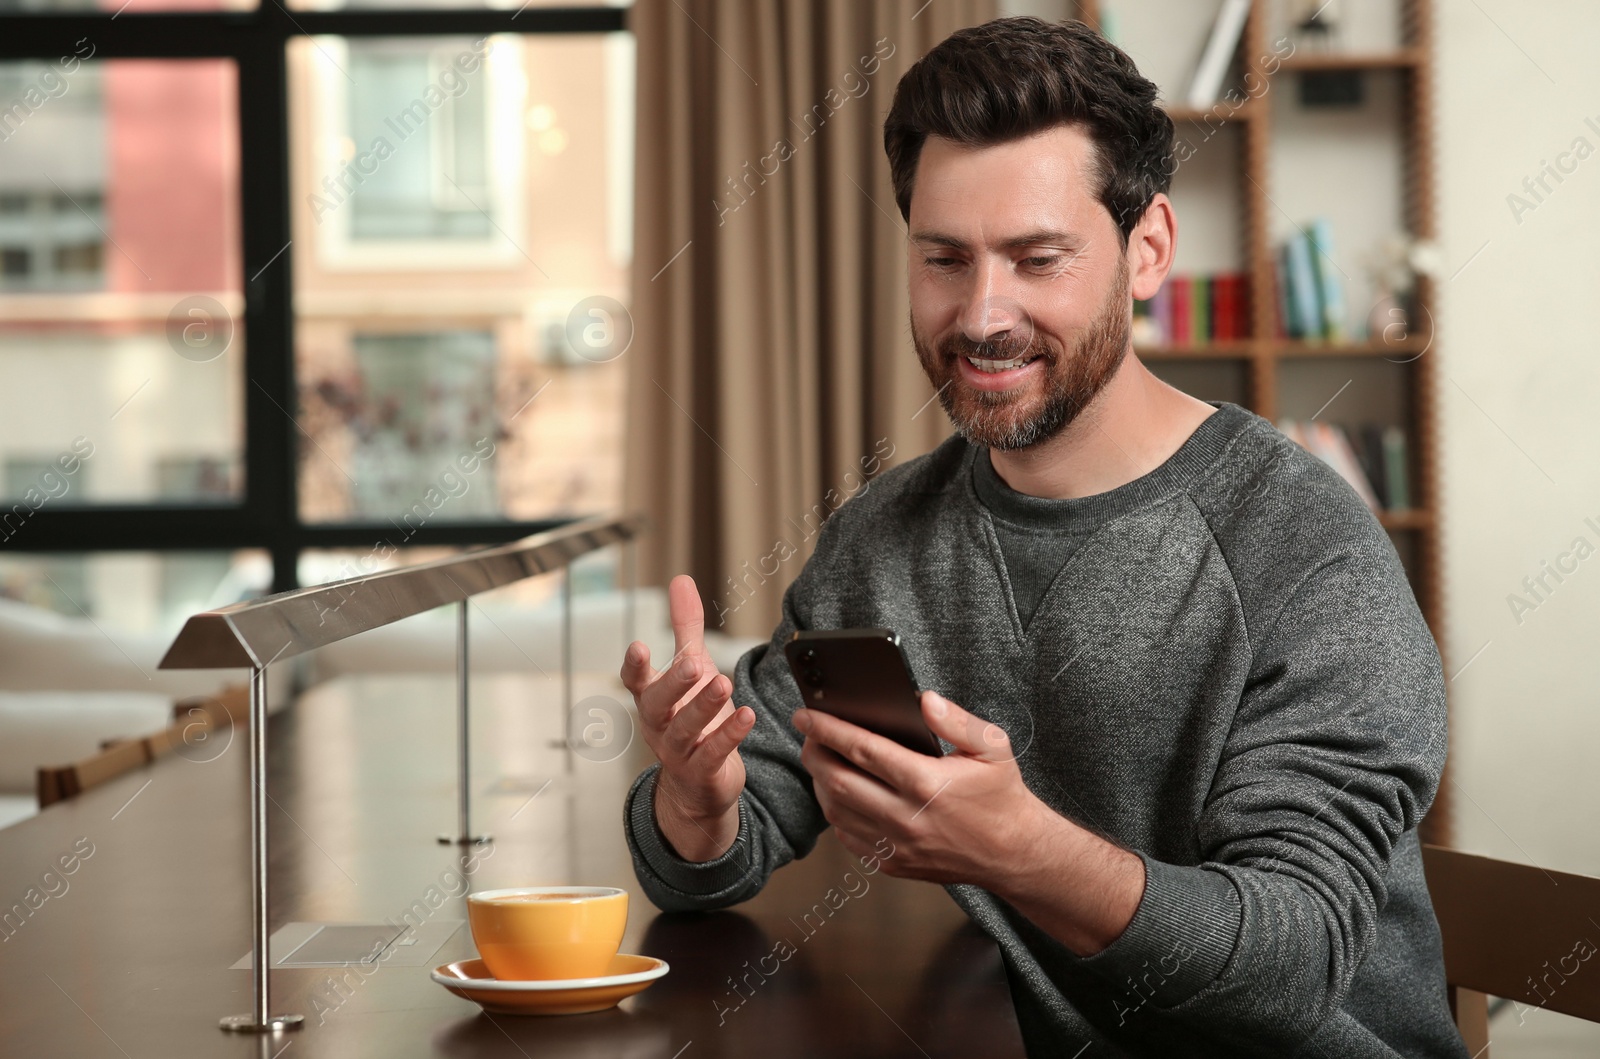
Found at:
<point>1001,365</point>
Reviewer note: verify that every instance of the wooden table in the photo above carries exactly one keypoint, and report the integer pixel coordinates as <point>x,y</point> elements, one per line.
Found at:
<point>130,954</point>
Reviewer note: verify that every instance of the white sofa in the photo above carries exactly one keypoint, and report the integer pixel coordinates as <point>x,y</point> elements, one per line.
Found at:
<point>511,639</point>
<point>41,650</point>
<point>67,685</point>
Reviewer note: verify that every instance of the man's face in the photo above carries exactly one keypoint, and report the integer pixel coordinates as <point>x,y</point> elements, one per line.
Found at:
<point>1014,262</point>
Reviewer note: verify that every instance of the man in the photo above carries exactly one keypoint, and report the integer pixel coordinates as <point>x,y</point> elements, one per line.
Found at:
<point>1193,713</point>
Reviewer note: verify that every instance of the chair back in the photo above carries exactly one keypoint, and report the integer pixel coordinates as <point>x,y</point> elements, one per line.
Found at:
<point>1510,930</point>
<point>193,719</point>
<point>59,782</point>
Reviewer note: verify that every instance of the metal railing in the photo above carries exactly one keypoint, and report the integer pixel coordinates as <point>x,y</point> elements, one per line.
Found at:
<point>263,631</point>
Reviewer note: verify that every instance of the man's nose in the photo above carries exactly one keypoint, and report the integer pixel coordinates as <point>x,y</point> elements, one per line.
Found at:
<point>991,310</point>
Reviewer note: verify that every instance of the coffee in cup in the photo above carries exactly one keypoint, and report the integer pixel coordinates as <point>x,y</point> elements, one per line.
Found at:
<point>548,932</point>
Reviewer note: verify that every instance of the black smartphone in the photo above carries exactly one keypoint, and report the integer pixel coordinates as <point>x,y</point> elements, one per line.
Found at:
<point>863,676</point>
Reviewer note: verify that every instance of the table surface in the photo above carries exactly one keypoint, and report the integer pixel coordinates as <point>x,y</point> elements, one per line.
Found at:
<point>130,953</point>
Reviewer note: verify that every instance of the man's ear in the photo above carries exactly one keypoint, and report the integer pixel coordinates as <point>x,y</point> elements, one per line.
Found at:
<point>1151,246</point>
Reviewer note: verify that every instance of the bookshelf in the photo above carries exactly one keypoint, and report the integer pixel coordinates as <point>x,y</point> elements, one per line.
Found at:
<point>1260,168</point>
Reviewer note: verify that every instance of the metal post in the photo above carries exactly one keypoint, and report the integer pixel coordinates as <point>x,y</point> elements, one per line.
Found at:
<point>630,565</point>
<point>566,662</point>
<point>463,835</point>
<point>259,1020</point>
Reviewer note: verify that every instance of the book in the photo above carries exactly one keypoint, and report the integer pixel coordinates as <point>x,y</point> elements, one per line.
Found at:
<point>1180,331</point>
<point>1331,445</point>
<point>1231,306</point>
<point>1305,307</point>
<point>1394,469</point>
<point>1285,317</point>
<point>1330,292</point>
<point>1370,450</point>
<point>1161,314</point>
<point>1145,331</point>
<point>1335,450</point>
<point>1194,310</point>
<point>1206,87</point>
<point>1222,307</point>
<point>1243,324</point>
<point>1110,25</point>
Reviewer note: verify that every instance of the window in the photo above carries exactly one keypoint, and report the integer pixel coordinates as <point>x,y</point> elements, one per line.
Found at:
<point>417,152</point>
<point>398,312</point>
<point>463,201</point>
<point>419,423</point>
<point>52,241</point>
<point>52,191</point>
<point>431,190</point>
<point>121,292</point>
<point>142,595</point>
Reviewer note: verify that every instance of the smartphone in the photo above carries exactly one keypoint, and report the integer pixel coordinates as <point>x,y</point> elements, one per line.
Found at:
<point>863,676</point>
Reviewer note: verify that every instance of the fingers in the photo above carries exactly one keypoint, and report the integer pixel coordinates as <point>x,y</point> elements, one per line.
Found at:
<point>849,824</point>
<point>881,757</point>
<point>636,672</point>
<point>725,738</point>
<point>840,785</point>
<point>851,838</point>
<point>688,615</point>
<point>658,694</point>
<point>696,767</point>
<point>968,733</point>
<point>685,726</point>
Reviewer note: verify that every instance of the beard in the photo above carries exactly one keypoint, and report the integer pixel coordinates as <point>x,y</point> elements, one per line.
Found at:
<point>1016,418</point>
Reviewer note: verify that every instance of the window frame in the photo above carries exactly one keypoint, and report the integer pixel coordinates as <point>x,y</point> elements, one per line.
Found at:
<point>267,516</point>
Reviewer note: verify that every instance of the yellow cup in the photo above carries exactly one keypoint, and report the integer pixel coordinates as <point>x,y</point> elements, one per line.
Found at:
<point>546,932</point>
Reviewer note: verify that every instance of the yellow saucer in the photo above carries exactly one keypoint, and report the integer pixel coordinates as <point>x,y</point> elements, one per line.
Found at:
<point>626,976</point>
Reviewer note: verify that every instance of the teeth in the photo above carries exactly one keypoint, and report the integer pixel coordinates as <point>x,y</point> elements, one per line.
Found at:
<point>998,365</point>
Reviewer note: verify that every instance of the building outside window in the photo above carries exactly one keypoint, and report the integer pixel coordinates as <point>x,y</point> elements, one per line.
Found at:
<point>435,289</point>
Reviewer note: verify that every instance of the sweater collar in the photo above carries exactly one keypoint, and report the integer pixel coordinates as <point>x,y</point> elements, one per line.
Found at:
<point>1080,514</point>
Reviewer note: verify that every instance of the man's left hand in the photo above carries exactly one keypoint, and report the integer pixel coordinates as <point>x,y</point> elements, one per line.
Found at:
<point>965,817</point>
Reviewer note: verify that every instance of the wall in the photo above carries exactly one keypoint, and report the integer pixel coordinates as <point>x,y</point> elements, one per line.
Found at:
<point>1517,398</point>
<point>1519,383</point>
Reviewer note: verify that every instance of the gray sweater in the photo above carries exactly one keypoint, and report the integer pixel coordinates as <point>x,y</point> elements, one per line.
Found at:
<point>1229,677</point>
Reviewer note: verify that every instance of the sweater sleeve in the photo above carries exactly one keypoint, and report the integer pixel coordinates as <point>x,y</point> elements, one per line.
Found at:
<point>1335,752</point>
<point>779,819</point>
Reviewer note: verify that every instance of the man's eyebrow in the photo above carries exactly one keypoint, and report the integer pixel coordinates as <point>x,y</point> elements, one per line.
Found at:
<point>1039,237</point>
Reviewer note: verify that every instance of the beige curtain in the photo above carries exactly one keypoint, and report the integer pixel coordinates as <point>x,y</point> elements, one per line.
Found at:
<point>771,370</point>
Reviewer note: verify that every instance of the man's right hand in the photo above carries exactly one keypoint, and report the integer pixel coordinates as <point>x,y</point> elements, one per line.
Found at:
<point>691,724</point>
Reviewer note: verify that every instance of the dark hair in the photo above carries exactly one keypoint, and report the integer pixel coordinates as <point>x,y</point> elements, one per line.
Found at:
<point>1012,77</point>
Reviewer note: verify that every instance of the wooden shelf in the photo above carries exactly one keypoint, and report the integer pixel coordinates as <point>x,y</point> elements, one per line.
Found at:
<point>1406,519</point>
<point>1291,348</point>
<point>1401,59</point>
<point>1221,112</point>
<point>1222,350</point>
<point>1399,351</point>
